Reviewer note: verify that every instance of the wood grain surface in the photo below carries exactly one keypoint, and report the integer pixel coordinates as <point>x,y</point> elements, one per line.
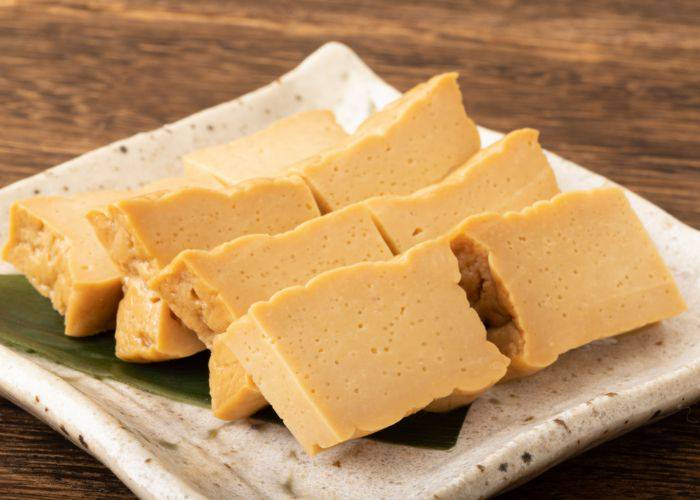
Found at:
<point>612,85</point>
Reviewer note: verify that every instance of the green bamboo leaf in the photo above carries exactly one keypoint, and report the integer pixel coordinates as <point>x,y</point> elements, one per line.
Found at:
<point>29,323</point>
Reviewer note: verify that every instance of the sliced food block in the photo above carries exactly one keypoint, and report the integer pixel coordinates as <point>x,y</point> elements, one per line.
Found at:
<point>358,348</point>
<point>269,152</point>
<point>508,175</point>
<point>147,330</point>
<point>234,395</point>
<point>413,142</point>
<point>52,244</point>
<point>210,289</point>
<point>561,274</point>
<point>144,233</point>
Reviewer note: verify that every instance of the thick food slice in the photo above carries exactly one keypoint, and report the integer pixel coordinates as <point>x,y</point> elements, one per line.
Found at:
<point>234,395</point>
<point>208,290</point>
<point>358,348</point>
<point>413,142</point>
<point>143,233</point>
<point>147,330</point>
<point>52,244</point>
<point>269,152</point>
<point>561,274</point>
<point>508,175</point>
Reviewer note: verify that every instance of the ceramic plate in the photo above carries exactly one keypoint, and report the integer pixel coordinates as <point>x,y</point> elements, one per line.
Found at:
<point>161,448</point>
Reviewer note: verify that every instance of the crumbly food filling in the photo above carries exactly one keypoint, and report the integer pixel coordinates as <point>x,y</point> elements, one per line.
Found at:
<point>201,307</point>
<point>132,333</point>
<point>477,281</point>
<point>487,297</point>
<point>43,256</point>
<point>147,330</point>
<point>124,250</point>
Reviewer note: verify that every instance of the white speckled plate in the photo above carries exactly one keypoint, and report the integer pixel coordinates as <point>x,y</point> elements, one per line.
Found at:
<point>161,448</point>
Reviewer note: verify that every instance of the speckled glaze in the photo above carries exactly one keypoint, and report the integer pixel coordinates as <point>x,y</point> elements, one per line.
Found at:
<point>164,449</point>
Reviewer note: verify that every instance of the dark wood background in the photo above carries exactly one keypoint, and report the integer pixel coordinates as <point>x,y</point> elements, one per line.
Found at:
<point>612,85</point>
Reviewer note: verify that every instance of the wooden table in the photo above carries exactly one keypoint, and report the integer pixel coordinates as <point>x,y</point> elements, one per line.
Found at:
<point>614,86</point>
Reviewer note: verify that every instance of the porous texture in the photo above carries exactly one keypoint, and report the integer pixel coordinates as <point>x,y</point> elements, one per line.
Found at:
<point>413,142</point>
<point>147,232</point>
<point>113,229</point>
<point>253,268</point>
<point>269,152</point>
<point>143,233</point>
<point>508,175</point>
<point>52,244</point>
<point>116,233</point>
<point>568,271</point>
<point>42,256</point>
<point>195,300</point>
<point>360,347</point>
<point>209,289</point>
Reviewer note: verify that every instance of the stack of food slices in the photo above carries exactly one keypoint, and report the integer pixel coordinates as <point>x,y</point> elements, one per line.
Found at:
<point>350,280</point>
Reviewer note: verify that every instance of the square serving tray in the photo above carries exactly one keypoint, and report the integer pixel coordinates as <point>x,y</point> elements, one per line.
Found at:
<point>164,449</point>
